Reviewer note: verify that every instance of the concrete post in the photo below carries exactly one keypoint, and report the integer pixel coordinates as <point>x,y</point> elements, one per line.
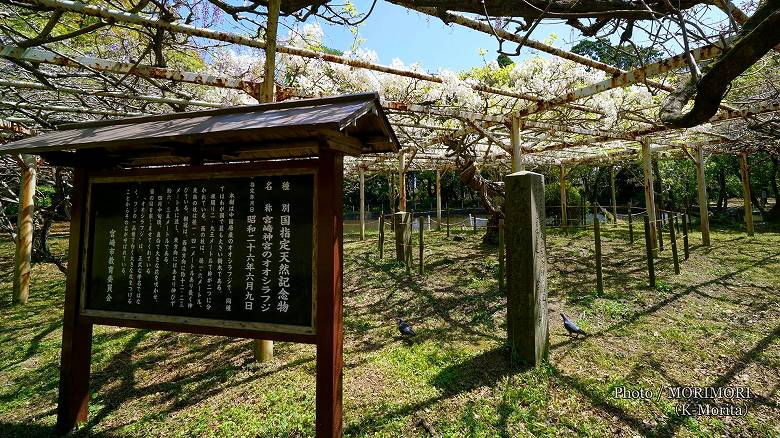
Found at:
<point>649,193</point>
<point>597,240</point>
<point>362,204</point>
<point>438,200</point>
<point>526,266</point>
<point>744,171</point>
<point>701,184</point>
<point>401,182</point>
<point>562,183</point>
<point>517,151</point>
<point>612,192</point>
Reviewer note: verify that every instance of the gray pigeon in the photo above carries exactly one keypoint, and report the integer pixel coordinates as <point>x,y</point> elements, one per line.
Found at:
<point>570,326</point>
<point>405,329</point>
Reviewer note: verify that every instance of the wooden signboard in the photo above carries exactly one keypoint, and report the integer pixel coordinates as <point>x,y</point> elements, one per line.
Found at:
<point>221,250</point>
<point>217,222</point>
<point>152,248</point>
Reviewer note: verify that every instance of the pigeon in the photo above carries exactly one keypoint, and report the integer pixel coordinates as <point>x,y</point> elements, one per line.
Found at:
<point>405,329</point>
<point>571,327</point>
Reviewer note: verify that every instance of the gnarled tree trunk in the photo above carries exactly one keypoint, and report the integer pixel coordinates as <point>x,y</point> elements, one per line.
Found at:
<point>491,193</point>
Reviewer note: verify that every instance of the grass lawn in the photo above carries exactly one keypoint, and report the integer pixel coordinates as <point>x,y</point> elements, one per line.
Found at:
<point>715,324</point>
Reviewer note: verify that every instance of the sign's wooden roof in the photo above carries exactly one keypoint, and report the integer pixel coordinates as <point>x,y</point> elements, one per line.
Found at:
<point>353,124</point>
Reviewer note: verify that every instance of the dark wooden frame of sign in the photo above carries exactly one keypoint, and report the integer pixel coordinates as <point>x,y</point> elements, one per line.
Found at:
<point>73,401</point>
<point>185,174</point>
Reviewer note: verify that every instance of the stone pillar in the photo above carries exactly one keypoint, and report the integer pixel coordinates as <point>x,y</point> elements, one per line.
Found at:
<point>526,266</point>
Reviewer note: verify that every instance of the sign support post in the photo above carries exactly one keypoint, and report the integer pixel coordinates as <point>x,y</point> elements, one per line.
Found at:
<point>329,300</point>
<point>73,402</point>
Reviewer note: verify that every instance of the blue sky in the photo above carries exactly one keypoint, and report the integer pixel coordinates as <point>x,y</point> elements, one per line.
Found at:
<point>396,32</point>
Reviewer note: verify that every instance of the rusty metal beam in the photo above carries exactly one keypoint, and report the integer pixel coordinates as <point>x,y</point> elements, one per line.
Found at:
<point>625,79</point>
<point>8,125</point>
<point>66,109</point>
<point>508,36</point>
<point>486,118</point>
<point>40,56</point>
<point>110,94</point>
<point>113,15</point>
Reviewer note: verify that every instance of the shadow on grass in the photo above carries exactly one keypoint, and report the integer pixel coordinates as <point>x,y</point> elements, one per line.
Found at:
<point>674,297</point>
<point>16,430</point>
<point>485,369</point>
<point>437,302</point>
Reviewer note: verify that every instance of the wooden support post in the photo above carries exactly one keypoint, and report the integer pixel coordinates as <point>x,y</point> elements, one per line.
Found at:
<point>690,220</point>
<point>401,182</point>
<point>402,218</point>
<point>362,204</point>
<point>420,223</point>
<point>649,248</point>
<point>686,248</point>
<point>448,222</point>
<point>612,191</point>
<point>527,316</point>
<point>73,398</point>
<point>391,195</point>
<point>401,235</point>
<point>438,200</point>
<point>474,220</point>
<point>649,191</point>
<point>745,173</point>
<point>673,244</point>
<point>269,68</point>
<point>408,243</point>
<point>330,358</point>
<point>597,237</point>
<point>381,235</point>
<point>562,183</point>
<point>517,151</point>
<point>630,225</point>
<point>24,230</point>
<point>659,230</point>
<point>501,260</point>
<point>264,349</point>
<point>704,223</point>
